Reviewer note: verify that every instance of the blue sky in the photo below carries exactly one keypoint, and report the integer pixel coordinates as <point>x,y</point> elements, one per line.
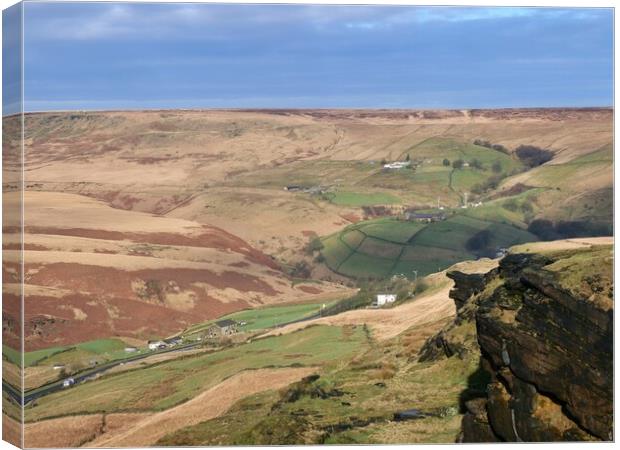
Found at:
<point>117,56</point>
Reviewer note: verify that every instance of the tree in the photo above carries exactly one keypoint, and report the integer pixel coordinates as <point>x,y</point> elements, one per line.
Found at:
<point>420,286</point>
<point>383,161</point>
<point>407,158</point>
<point>314,245</point>
<point>301,270</point>
<point>496,167</point>
<point>526,207</point>
<point>511,205</point>
<point>457,164</point>
<point>500,148</point>
<point>446,162</point>
<point>476,164</point>
<point>533,156</point>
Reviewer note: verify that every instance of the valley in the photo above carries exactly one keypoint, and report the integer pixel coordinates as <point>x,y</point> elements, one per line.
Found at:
<point>234,258</point>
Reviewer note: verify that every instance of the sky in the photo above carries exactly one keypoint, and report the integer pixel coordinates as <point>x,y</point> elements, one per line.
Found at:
<point>140,56</point>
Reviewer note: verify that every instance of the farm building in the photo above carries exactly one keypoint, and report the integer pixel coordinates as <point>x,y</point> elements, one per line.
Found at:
<point>173,341</point>
<point>383,299</point>
<point>221,328</point>
<point>155,345</point>
<point>424,217</point>
<point>130,349</point>
<point>397,165</point>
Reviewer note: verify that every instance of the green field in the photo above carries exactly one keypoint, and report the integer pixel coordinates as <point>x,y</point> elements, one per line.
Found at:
<point>391,230</point>
<point>11,355</point>
<point>265,318</point>
<point>390,246</point>
<point>365,183</point>
<point>357,405</point>
<point>164,385</point>
<point>100,349</point>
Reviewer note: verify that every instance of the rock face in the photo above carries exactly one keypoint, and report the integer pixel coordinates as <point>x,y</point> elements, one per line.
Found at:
<point>458,338</point>
<point>544,329</point>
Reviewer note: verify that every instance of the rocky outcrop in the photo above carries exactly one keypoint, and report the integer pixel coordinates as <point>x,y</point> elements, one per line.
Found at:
<point>547,339</point>
<point>458,338</point>
<point>544,329</point>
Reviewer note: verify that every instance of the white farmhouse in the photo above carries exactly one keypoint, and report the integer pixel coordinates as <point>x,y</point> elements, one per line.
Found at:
<point>397,165</point>
<point>382,299</point>
<point>155,345</point>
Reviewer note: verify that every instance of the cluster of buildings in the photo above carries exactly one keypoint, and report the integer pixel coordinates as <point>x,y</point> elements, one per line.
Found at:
<point>165,343</point>
<point>314,190</point>
<point>222,328</point>
<point>397,165</point>
<point>425,217</point>
<point>382,300</point>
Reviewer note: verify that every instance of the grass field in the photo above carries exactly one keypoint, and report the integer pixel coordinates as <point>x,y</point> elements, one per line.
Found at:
<point>11,355</point>
<point>390,246</point>
<point>264,318</point>
<point>164,385</point>
<point>357,404</point>
<point>106,349</point>
<point>391,230</point>
<point>365,183</point>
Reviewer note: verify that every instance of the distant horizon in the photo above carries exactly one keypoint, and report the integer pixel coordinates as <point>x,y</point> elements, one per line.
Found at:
<point>144,56</point>
<point>250,109</point>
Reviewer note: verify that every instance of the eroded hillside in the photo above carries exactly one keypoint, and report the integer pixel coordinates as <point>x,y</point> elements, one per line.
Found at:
<point>92,271</point>
<point>542,323</point>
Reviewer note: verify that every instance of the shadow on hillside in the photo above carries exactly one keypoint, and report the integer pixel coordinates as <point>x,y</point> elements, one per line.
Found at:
<point>476,387</point>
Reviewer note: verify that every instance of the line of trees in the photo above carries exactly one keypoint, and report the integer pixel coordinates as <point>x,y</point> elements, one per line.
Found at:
<point>487,144</point>
<point>530,155</point>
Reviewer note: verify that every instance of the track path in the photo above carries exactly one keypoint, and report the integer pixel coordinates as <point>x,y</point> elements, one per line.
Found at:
<point>208,405</point>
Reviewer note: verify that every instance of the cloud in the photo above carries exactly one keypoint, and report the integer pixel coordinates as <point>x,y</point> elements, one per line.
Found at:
<point>176,55</point>
<point>109,21</point>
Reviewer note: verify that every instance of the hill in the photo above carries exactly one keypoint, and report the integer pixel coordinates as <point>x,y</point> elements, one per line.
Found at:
<point>381,248</point>
<point>191,215</point>
<point>229,168</point>
<point>92,271</point>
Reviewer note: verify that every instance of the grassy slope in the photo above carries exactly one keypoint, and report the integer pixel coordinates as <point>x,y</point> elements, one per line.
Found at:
<point>391,246</point>
<point>264,318</point>
<point>163,385</point>
<point>362,413</point>
<point>374,386</point>
<point>361,199</point>
<point>578,189</point>
<point>364,183</point>
<point>101,348</point>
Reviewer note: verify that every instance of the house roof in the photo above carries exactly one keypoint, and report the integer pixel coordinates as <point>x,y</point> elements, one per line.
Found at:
<point>425,215</point>
<point>225,323</point>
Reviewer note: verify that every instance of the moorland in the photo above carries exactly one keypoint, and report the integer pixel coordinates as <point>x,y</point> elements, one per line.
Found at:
<point>146,226</point>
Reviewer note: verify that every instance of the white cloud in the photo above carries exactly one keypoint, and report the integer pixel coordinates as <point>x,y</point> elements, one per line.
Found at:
<point>88,21</point>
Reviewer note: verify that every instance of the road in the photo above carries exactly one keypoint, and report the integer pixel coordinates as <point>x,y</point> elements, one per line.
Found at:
<point>82,377</point>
